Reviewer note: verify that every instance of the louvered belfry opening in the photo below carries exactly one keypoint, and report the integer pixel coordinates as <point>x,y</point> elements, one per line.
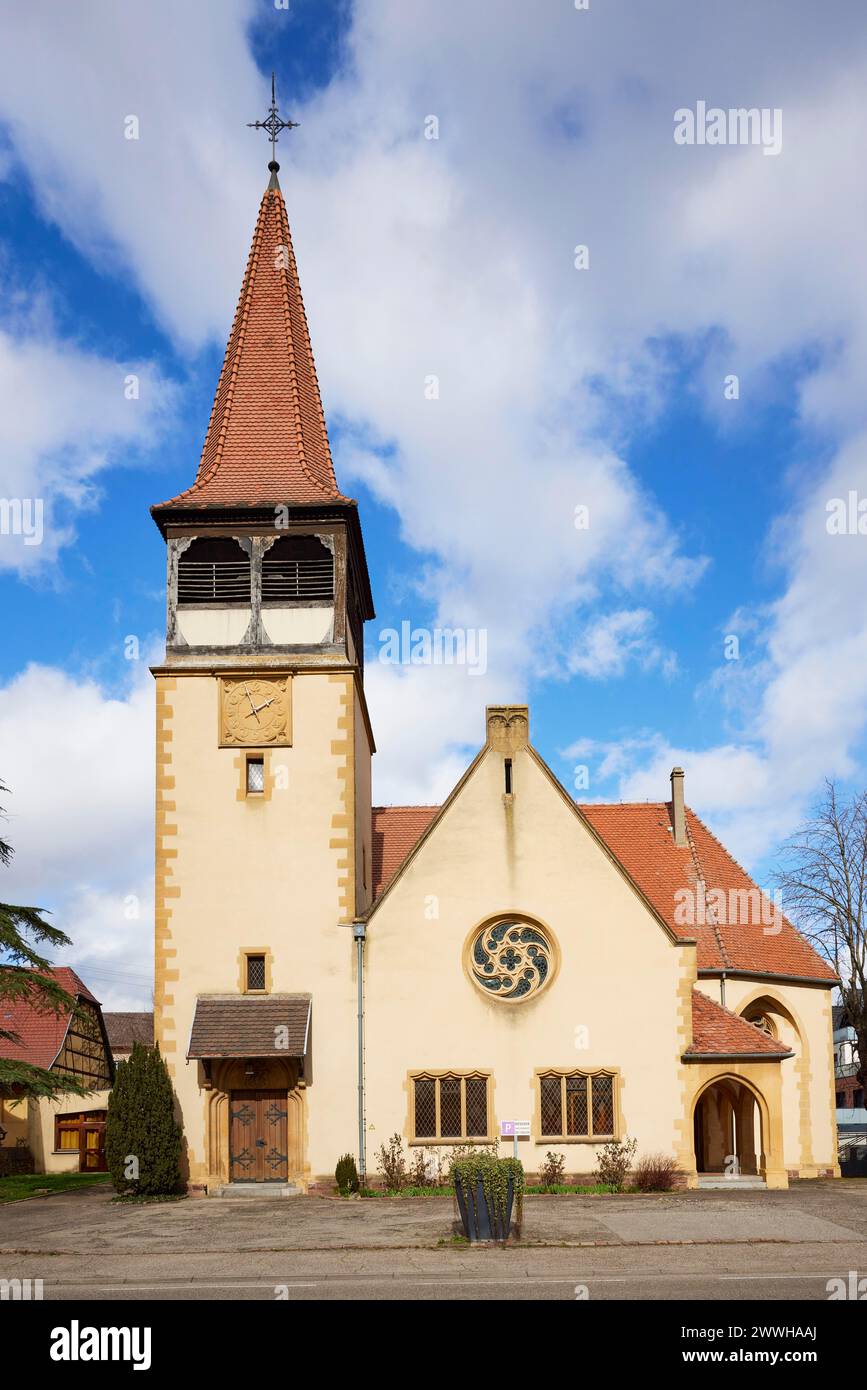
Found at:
<point>297,569</point>
<point>214,571</point>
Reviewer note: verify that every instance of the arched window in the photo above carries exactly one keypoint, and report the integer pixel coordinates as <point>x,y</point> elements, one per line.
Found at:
<point>297,569</point>
<point>214,571</point>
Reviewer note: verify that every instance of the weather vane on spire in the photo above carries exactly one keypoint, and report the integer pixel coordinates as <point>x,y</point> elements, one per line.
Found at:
<point>273,125</point>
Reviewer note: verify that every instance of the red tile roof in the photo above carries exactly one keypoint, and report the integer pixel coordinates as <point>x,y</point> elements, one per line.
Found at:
<point>267,442</point>
<point>639,835</point>
<point>396,830</point>
<point>41,1034</point>
<point>717,1032</point>
<point>124,1029</point>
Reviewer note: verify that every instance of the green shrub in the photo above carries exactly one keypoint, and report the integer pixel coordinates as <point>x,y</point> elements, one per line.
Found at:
<point>346,1175</point>
<point>614,1162</point>
<point>392,1164</point>
<point>142,1136</point>
<point>552,1172</point>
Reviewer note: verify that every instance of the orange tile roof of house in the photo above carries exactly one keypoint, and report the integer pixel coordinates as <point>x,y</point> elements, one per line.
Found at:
<point>717,1032</point>
<point>267,442</point>
<point>639,835</point>
<point>41,1034</point>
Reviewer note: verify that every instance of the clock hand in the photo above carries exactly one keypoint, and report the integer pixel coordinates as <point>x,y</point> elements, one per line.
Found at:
<point>266,703</point>
<point>252,706</point>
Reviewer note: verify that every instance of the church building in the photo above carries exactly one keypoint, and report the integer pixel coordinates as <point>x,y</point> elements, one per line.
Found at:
<point>330,973</point>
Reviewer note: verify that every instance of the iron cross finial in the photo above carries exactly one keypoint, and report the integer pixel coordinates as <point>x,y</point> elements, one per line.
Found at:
<point>273,124</point>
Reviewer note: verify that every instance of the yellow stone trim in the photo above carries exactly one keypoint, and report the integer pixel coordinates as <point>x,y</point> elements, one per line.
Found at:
<point>683,1131</point>
<point>248,754</point>
<point>165,891</point>
<point>246,951</point>
<point>343,820</point>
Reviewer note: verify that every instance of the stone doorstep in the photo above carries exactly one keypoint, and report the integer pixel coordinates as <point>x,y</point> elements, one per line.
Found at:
<point>738,1184</point>
<point>253,1190</point>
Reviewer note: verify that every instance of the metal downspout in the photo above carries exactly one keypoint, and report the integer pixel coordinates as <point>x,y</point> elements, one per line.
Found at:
<point>359,931</point>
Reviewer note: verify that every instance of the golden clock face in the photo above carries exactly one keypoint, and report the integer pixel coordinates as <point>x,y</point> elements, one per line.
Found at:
<point>255,711</point>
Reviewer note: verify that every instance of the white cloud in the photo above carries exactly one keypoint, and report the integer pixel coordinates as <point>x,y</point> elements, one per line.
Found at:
<point>607,646</point>
<point>65,415</point>
<point>454,258</point>
<point>79,764</point>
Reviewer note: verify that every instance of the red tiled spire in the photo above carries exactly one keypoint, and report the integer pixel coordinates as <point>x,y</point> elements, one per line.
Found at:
<point>267,442</point>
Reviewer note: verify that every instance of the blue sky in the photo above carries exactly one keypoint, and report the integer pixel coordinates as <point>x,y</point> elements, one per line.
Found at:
<point>559,387</point>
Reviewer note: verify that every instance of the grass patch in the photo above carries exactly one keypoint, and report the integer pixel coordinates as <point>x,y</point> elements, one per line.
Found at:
<point>407,1192</point>
<point>17,1186</point>
<point>569,1189</point>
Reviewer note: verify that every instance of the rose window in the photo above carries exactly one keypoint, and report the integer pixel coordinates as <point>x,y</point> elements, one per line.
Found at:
<point>510,960</point>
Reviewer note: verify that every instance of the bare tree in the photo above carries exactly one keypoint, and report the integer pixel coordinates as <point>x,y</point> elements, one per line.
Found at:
<point>823,877</point>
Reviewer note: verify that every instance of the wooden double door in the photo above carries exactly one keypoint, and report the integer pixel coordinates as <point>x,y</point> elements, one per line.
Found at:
<point>258,1136</point>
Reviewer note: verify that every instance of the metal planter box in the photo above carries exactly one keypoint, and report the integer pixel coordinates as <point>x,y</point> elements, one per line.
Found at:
<point>480,1223</point>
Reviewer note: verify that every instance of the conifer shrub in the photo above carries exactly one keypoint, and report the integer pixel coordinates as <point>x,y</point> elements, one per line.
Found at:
<point>142,1136</point>
<point>346,1175</point>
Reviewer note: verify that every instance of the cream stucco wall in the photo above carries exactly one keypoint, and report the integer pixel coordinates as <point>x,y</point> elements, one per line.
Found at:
<point>305,626</point>
<point>621,983</point>
<point>213,627</point>
<point>40,1137</point>
<point>276,871</point>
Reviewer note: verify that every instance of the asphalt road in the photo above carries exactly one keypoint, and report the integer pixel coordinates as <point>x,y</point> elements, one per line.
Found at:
<point>725,1247</point>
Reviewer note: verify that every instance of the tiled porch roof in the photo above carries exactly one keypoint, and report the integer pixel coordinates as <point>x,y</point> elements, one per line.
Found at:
<point>717,1032</point>
<point>248,1025</point>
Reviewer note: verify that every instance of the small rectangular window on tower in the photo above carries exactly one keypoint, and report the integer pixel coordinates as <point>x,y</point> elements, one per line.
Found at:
<point>508,777</point>
<point>255,972</point>
<point>255,775</point>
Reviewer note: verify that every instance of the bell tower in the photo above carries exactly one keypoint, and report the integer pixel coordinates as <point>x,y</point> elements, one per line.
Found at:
<point>263,785</point>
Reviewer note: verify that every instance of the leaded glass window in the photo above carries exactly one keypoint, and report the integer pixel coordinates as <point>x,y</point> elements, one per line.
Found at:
<point>425,1108</point>
<point>552,1112</point>
<point>573,1105</point>
<point>576,1105</point>
<point>255,972</point>
<point>450,1107</point>
<point>477,1106</point>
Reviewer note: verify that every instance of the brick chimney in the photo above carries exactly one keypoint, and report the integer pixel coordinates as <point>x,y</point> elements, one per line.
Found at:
<point>678,812</point>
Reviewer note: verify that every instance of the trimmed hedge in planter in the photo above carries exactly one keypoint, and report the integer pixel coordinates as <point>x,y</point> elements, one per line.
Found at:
<point>486,1189</point>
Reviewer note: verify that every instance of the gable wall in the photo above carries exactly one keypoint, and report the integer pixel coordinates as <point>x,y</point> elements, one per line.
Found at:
<point>620,977</point>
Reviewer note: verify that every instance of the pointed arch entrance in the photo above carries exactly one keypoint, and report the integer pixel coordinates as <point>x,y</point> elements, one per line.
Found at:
<point>729,1129</point>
